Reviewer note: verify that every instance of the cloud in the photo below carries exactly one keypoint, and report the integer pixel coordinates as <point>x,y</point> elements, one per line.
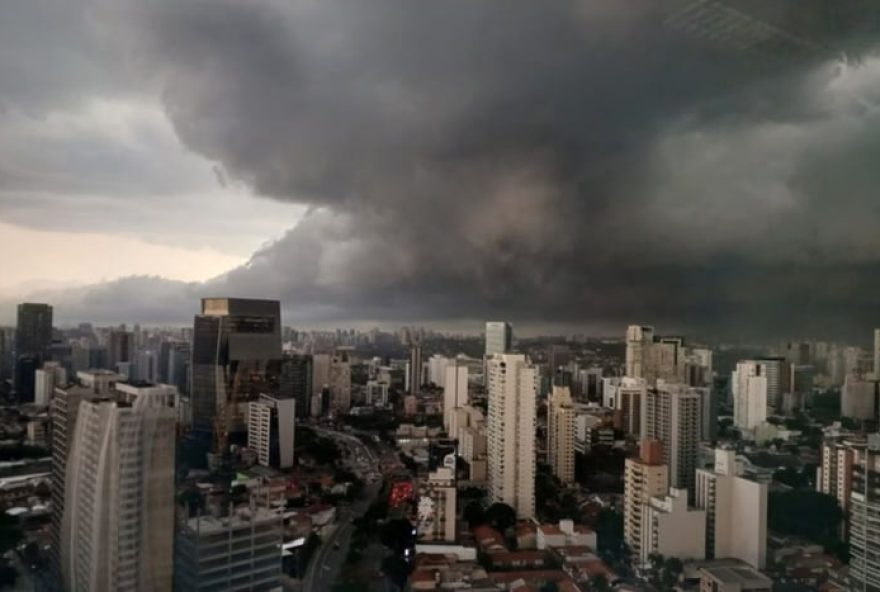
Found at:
<point>576,161</point>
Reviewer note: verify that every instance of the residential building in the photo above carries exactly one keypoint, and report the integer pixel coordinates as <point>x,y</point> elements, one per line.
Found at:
<point>733,579</point>
<point>437,370</point>
<point>626,395</point>
<point>120,348</point>
<point>236,355</point>
<point>561,433</point>
<point>455,392</point>
<point>751,395</point>
<point>52,374</point>
<point>736,511</point>
<point>271,430</point>
<point>340,382</point>
<point>513,388</point>
<point>239,550</point>
<point>860,397</point>
<point>33,339</point>
<point>499,338</point>
<point>645,476</point>
<point>672,414</point>
<point>414,370</point>
<point>639,340</point>
<point>672,529</point>
<point>834,475</point>
<point>864,527</point>
<point>119,495</point>
<point>436,510</point>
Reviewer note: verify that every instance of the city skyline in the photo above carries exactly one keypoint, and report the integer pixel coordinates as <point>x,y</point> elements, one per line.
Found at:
<point>717,188</point>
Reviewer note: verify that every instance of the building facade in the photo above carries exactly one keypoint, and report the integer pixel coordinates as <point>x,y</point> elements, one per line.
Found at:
<point>561,433</point>
<point>864,525</point>
<point>673,416</point>
<point>645,477</point>
<point>271,427</point>
<point>499,338</point>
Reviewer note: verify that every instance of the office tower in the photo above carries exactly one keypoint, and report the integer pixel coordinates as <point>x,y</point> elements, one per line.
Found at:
<point>33,339</point>
<point>119,495</point>
<point>414,370</point>
<point>671,529</point>
<point>436,510</point>
<point>877,354</point>
<point>499,338</point>
<point>673,415</point>
<point>645,476</point>
<point>698,369</point>
<point>639,340</point>
<point>340,383</point>
<point>320,379</point>
<point>800,387</point>
<point>437,370</point>
<point>668,359</point>
<point>751,395</point>
<point>178,367</point>
<point>864,528</point>
<point>513,390</point>
<point>147,366</point>
<point>455,391</point>
<point>296,382</point>
<point>271,430</point>
<point>734,579</point>
<point>239,549</point>
<point>859,398</point>
<point>558,356</point>
<point>709,409</point>
<point>235,356</point>
<point>120,348</point>
<point>560,433</point>
<point>736,511</point>
<point>625,395</point>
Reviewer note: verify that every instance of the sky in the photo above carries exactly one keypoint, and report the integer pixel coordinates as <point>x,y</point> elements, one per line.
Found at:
<point>579,164</point>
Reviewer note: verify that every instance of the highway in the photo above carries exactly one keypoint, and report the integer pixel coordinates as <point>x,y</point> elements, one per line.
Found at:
<point>326,564</point>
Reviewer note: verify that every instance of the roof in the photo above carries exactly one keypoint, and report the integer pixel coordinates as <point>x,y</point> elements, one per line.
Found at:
<point>738,575</point>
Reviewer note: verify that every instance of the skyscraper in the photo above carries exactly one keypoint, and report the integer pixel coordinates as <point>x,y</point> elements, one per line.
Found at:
<point>296,382</point>
<point>672,415</point>
<point>513,389</point>
<point>120,348</point>
<point>751,397</point>
<point>119,496</point>
<point>455,391</point>
<point>414,369</point>
<point>639,340</point>
<point>236,356</point>
<point>560,433</point>
<point>33,339</point>
<point>340,382</point>
<point>499,337</point>
<point>864,529</point>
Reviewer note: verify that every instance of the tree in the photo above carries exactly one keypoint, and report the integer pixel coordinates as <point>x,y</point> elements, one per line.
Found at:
<point>398,535</point>
<point>500,516</point>
<point>788,510</point>
<point>599,583</point>
<point>474,514</point>
<point>550,587</point>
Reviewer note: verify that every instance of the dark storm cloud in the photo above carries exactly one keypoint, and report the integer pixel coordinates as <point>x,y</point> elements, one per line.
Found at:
<point>544,161</point>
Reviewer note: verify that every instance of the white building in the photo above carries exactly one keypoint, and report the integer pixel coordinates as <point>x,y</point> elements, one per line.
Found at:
<point>672,529</point>
<point>749,388</point>
<point>566,534</point>
<point>639,340</point>
<point>271,430</point>
<point>736,511</point>
<point>119,508</point>
<point>455,392</point>
<point>864,528</point>
<point>513,388</point>
<point>626,395</point>
<point>645,477</point>
<point>51,375</point>
<point>377,393</point>
<point>436,507</point>
<point>499,338</point>
<point>561,433</point>
<point>437,370</point>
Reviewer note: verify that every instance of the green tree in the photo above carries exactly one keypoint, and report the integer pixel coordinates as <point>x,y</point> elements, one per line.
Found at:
<point>804,512</point>
<point>500,516</point>
<point>474,514</point>
<point>599,583</point>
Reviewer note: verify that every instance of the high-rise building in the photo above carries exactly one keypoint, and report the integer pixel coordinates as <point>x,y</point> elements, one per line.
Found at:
<point>271,430</point>
<point>668,357</point>
<point>860,398</point>
<point>436,506</point>
<point>877,354</point>
<point>296,382</point>
<point>414,370</point>
<point>639,340</point>
<point>749,388</point>
<point>238,550</point>
<point>672,529</point>
<point>736,511</point>
<point>437,370</point>
<point>120,348</point>
<point>561,433</point>
<point>834,475</point>
<point>340,382</point>
<point>499,337</point>
<point>236,355</point>
<point>625,395</point>
<point>513,389</point>
<point>119,495</point>
<point>864,529</point>
<point>455,391</point>
<point>52,374</point>
<point>673,415</point>
<point>645,477</point>
<point>33,340</point>
<point>558,356</point>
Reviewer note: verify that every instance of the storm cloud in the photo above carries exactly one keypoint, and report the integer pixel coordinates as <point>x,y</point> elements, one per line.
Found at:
<point>578,161</point>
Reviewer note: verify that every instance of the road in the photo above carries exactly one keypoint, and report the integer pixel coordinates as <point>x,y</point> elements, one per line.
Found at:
<point>326,564</point>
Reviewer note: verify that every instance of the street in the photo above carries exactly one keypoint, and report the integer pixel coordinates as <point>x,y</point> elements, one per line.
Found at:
<point>326,564</point>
